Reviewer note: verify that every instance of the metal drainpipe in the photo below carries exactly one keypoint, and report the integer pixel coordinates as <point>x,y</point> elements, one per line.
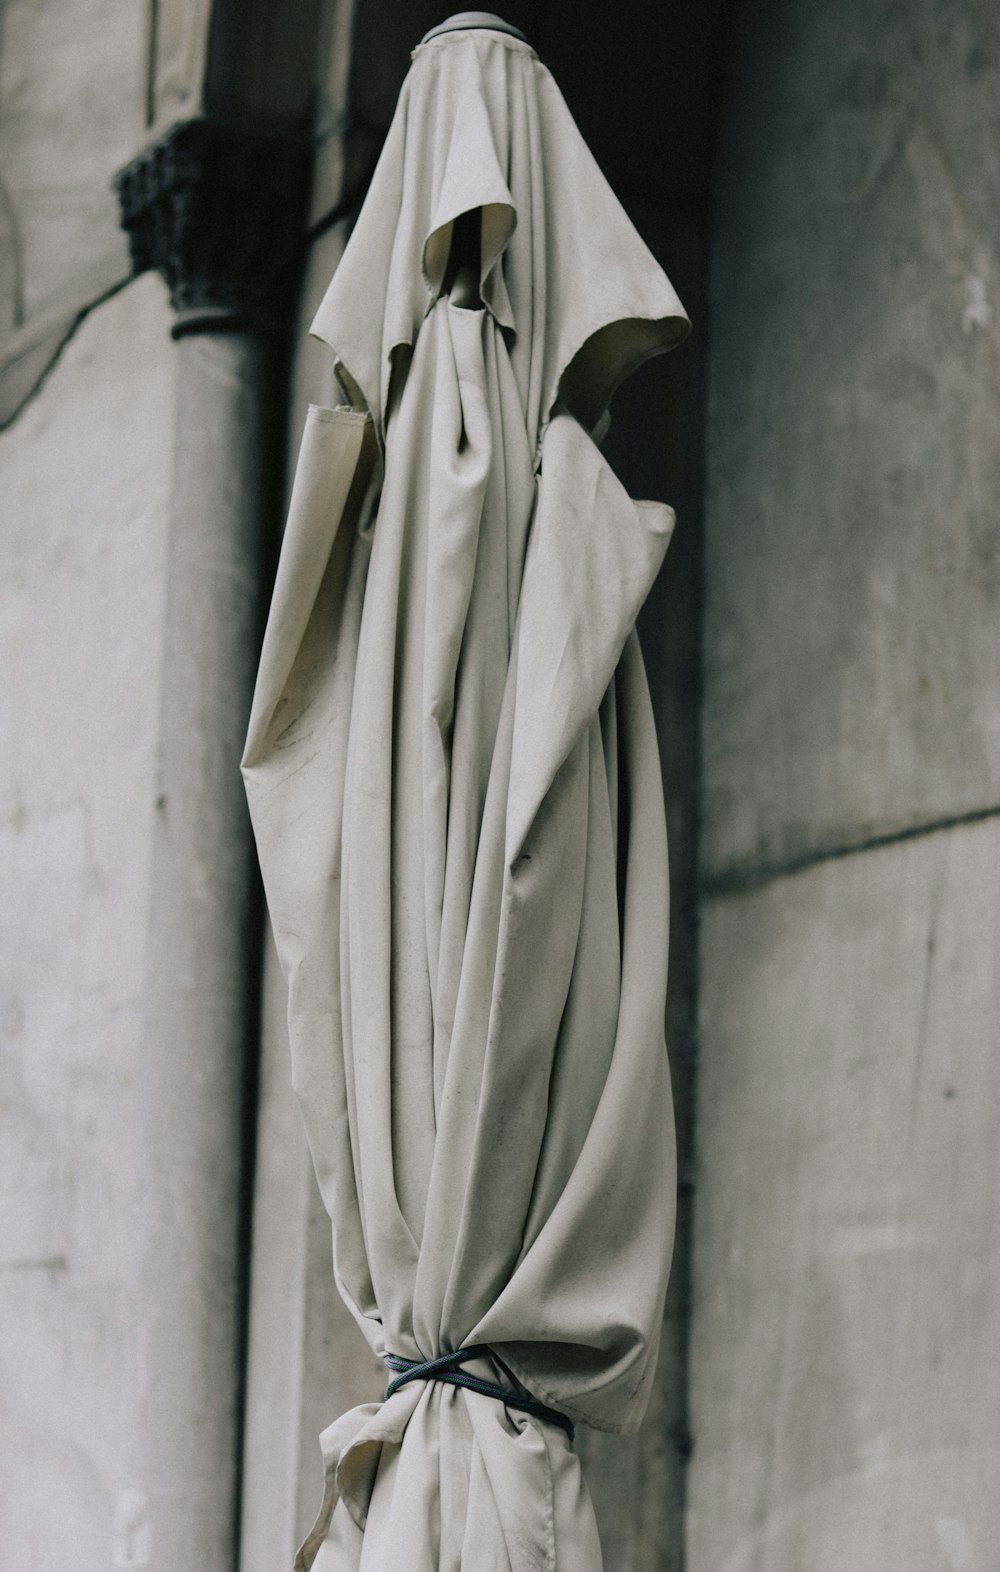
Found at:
<point>221,215</point>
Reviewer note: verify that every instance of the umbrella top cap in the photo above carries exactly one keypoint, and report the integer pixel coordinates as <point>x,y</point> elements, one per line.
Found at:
<point>464,20</point>
<point>577,297</point>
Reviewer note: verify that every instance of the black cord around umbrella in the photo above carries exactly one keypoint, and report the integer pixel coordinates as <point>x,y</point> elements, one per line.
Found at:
<point>446,1367</point>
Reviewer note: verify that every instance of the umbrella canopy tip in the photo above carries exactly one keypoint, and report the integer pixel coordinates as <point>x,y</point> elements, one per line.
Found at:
<point>467,19</point>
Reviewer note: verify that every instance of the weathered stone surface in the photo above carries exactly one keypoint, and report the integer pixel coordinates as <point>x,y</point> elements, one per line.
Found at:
<point>853,548</point>
<point>71,110</point>
<point>179,42</point>
<point>199,1006</point>
<point>82,533</point>
<point>845,1385</point>
<point>338,169</point>
<point>28,353</point>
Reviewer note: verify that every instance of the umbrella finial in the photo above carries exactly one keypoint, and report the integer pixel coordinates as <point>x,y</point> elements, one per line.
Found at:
<point>466,19</point>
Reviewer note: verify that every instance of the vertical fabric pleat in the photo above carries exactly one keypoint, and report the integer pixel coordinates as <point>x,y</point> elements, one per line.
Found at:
<point>454,782</point>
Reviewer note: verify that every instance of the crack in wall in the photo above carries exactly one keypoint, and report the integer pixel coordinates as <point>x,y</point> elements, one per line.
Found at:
<point>59,333</point>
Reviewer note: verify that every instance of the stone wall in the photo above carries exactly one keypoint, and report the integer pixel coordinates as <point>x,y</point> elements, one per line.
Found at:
<point>85,473</point>
<point>844,1384</point>
<point>133,497</point>
<point>72,104</point>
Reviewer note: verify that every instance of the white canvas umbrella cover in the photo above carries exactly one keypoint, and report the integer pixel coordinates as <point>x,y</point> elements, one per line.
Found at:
<point>455,787</point>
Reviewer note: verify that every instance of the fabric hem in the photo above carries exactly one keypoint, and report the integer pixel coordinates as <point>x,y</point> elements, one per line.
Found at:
<point>551,403</point>
<point>335,413</point>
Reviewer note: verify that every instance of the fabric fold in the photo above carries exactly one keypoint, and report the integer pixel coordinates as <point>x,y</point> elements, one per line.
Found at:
<point>480,123</point>
<point>472,178</point>
<point>334,467</point>
<point>593,556</point>
<point>454,782</point>
<point>508,1497</point>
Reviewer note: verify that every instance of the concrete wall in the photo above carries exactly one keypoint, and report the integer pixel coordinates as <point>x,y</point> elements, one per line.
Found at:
<point>133,492</point>
<point>83,527</point>
<point>72,101</point>
<point>844,1379</point>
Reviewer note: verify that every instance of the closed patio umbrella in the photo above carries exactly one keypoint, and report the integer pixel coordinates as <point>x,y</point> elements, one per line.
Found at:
<point>454,783</point>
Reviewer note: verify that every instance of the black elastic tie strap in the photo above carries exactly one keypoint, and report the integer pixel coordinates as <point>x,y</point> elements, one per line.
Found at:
<point>446,1367</point>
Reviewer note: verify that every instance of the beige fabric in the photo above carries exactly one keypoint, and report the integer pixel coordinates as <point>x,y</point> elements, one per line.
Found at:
<point>454,782</point>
